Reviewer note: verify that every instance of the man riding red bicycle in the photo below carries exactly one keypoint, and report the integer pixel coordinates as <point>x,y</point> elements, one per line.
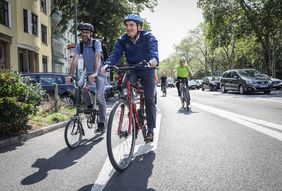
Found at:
<point>139,45</point>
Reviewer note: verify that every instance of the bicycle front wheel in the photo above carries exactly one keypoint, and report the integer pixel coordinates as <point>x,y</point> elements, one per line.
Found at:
<point>73,133</point>
<point>120,139</point>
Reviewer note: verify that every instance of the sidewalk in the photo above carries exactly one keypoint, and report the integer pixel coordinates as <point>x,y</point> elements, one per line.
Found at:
<point>22,138</point>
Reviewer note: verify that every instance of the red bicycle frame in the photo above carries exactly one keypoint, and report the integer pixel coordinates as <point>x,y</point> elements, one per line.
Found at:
<point>132,106</point>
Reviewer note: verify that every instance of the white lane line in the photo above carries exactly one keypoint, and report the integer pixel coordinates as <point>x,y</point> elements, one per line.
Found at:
<point>107,170</point>
<point>252,123</point>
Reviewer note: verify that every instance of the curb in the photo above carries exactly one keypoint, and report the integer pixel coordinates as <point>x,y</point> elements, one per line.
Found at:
<point>22,138</point>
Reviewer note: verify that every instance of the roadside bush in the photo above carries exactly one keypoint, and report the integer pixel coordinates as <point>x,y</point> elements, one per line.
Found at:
<point>18,99</point>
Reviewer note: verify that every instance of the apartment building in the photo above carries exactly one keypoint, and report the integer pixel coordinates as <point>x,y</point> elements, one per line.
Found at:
<point>25,31</point>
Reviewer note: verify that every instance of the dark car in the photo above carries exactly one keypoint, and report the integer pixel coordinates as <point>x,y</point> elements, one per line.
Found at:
<point>276,83</point>
<point>47,82</point>
<point>211,82</point>
<point>109,89</point>
<point>245,80</point>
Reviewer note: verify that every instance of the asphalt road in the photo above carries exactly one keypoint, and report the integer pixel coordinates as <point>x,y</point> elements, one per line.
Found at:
<point>225,142</point>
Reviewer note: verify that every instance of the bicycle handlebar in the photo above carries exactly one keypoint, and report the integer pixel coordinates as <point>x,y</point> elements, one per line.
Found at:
<point>144,63</point>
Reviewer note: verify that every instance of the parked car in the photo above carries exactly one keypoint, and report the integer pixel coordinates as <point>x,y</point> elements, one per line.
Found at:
<point>109,89</point>
<point>170,82</point>
<point>211,82</point>
<point>192,84</point>
<point>199,81</point>
<point>66,92</point>
<point>276,83</point>
<point>47,82</point>
<point>245,80</point>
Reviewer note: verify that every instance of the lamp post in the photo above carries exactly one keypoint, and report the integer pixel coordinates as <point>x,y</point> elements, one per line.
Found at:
<point>76,72</point>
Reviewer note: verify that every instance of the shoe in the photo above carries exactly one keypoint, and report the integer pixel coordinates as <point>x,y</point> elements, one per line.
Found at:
<point>150,136</point>
<point>100,129</point>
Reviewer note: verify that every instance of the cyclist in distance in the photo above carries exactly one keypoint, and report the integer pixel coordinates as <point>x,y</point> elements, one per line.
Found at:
<point>92,64</point>
<point>182,71</point>
<point>138,45</point>
<point>163,83</point>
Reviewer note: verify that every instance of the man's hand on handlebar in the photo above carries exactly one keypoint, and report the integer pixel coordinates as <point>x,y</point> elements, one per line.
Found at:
<point>92,77</point>
<point>153,63</point>
<point>104,69</point>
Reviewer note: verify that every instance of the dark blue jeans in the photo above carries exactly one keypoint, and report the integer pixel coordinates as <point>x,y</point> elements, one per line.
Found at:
<point>149,85</point>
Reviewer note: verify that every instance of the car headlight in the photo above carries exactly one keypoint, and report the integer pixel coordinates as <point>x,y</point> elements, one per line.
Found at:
<point>251,82</point>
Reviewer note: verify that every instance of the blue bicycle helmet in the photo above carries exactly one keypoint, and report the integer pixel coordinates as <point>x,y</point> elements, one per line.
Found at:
<point>135,18</point>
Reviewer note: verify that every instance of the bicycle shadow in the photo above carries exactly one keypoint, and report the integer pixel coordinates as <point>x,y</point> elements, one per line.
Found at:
<point>135,177</point>
<point>61,160</point>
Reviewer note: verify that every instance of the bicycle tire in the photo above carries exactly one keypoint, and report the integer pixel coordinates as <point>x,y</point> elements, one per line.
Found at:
<point>75,128</point>
<point>118,137</point>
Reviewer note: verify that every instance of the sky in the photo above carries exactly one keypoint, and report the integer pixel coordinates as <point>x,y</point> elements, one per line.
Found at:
<point>171,21</point>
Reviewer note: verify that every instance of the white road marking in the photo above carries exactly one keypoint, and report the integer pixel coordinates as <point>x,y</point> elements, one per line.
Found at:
<point>255,124</point>
<point>107,170</point>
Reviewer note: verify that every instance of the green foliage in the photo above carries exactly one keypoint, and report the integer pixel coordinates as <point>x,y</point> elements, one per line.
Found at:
<point>56,117</point>
<point>106,15</point>
<point>256,23</point>
<point>17,101</point>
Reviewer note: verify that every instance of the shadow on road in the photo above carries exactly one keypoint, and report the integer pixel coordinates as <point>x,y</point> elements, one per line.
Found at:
<point>61,160</point>
<point>136,177</point>
<point>183,110</point>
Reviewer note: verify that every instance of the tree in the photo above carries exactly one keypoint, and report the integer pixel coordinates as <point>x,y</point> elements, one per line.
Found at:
<point>233,20</point>
<point>106,15</point>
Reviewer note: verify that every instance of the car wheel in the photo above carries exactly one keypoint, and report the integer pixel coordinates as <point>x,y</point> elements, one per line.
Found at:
<point>203,89</point>
<point>241,90</point>
<point>278,88</point>
<point>223,90</point>
<point>67,101</point>
<point>267,91</point>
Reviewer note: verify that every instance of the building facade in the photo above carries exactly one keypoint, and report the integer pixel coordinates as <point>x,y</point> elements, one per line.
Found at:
<point>25,35</point>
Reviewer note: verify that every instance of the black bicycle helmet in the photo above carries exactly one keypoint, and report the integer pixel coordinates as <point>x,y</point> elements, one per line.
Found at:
<point>86,26</point>
<point>135,18</point>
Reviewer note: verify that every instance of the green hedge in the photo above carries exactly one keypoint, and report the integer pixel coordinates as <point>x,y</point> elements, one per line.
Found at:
<point>18,99</point>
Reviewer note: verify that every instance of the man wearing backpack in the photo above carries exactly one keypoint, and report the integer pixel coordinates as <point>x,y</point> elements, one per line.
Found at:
<point>137,46</point>
<point>91,51</point>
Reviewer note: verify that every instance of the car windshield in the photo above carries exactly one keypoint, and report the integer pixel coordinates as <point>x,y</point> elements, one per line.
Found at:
<point>250,73</point>
<point>215,78</point>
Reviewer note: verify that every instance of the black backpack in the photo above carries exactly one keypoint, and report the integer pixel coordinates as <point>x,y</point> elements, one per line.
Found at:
<point>104,49</point>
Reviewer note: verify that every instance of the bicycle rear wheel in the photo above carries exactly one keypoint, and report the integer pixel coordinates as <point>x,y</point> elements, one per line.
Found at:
<point>73,133</point>
<point>120,142</point>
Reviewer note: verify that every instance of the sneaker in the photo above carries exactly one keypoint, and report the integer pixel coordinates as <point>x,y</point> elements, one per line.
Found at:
<point>150,136</point>
<point>100,129</point>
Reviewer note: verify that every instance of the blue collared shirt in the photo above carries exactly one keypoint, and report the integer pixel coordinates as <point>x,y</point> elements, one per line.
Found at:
<point>89,55</point>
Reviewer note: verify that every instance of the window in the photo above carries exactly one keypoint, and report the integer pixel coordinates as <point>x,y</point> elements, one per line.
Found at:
<point>4,13</point>
<point>44,33</point>
<point>43,6</point>
<point>25,17</point>
<point>45,63</point>
<point>34,24</point>
<point>28,60</point>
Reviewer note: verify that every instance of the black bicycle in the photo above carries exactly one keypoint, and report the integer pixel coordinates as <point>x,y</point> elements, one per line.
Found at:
<point>74,128</point>
<point>185,95</point>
